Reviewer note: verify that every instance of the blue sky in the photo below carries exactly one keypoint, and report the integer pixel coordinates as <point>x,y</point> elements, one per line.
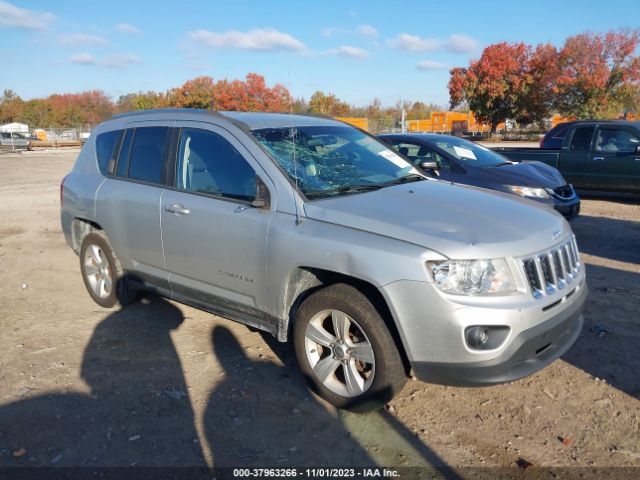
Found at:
<point>358,50</point>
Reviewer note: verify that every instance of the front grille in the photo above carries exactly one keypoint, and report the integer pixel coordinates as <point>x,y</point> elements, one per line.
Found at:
<point>552,270</point>
<point>565,191</point>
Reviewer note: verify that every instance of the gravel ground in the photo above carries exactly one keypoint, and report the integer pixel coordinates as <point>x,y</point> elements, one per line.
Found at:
<point>160,384</point>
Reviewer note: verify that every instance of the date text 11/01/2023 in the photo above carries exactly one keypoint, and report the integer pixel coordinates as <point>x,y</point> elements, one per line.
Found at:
<point>314,473</point>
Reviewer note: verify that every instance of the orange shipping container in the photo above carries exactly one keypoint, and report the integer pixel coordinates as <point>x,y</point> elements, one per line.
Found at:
<point>362,123</point>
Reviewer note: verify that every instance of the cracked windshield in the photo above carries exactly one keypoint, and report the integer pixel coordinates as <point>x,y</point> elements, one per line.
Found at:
<point>334,160</point>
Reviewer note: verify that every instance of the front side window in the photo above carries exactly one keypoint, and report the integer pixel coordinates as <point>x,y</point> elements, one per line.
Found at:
<point>421,153</point>
<point>105,149</point>
<point>333,160</point>
<point>208,163</point>
<point>469,153</point>
<point>582,138</point>
<point>616,140</point>
<point>147,154</point>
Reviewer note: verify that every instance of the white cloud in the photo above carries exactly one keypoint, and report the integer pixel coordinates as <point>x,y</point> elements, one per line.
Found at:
<point>367,31</point>
<point>431,65</point>
<point>348,51</point>
<point>414,43</point>
<point>83,59</point>
<point>16,17</point>
<point>261,39</point>
<point>83,39</point>
<point>456,43</point>
<point>459,43</point>
<point>127,28</point>
<point>121,61</point>
<point>330,31</point>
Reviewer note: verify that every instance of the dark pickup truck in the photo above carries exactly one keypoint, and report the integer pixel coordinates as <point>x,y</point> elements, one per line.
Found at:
<point>594,156</point>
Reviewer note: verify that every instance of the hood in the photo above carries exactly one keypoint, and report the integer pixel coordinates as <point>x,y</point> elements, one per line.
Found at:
<point>454,220</point>
<point>524,174</point>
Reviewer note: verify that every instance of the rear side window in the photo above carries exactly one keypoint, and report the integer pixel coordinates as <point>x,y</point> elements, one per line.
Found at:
<point>207,163</point>
<point>105,149</point>
<point>146,161</point>
<point>582,138</point>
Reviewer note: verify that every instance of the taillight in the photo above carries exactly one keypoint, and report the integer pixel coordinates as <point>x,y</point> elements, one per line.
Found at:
<point>62,189</point>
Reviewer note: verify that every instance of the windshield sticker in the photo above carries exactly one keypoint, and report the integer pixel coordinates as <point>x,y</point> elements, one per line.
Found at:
<point>465,152</point>
<point>393,158</point>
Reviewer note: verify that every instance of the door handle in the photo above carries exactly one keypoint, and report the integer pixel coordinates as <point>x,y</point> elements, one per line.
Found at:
<point>177,209</point>
<point>598,158</point>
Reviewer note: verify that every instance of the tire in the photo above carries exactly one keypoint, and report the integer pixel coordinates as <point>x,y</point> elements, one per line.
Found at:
<point>102,274</point>
<point>360,367</point>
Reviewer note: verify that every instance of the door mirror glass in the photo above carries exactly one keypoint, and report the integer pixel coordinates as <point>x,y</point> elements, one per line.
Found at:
<point>429,165</point>
<point>263,197</point>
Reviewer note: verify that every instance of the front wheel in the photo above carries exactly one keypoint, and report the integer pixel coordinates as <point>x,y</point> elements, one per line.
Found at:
<point>345,349</point>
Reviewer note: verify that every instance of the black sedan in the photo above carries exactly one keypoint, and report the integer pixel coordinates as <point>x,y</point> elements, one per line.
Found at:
<point>460,161</point>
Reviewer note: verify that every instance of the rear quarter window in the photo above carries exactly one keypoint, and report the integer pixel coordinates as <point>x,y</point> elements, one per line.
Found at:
<point>105,149</point>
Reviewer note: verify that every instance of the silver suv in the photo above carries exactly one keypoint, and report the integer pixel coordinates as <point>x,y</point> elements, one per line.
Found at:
<point>316,232</point>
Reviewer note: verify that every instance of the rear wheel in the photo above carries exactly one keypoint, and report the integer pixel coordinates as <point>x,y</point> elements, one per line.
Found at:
<point>102,273</point>
<point>345,349</point>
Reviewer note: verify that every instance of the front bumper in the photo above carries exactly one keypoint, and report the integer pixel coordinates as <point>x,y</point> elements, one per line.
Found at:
<point>432,326</point>
<point>530,351</point>
<point>568,209</point>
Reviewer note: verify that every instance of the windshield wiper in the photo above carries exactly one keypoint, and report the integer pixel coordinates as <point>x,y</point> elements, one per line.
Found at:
<point>500,164</point>
<point>345,190</point>
<point>412,177</point>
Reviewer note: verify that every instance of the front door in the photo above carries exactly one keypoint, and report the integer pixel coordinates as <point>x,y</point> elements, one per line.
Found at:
<point>214,239</point>
<point>615,163</point>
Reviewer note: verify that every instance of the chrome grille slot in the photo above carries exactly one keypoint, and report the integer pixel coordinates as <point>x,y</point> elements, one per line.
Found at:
<point>552,270</point>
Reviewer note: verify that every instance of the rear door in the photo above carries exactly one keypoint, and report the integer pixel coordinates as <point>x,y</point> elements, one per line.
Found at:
<point>615,163</point>
<point>214,239</point>
<point>575,156</point>
<point>128,203</point>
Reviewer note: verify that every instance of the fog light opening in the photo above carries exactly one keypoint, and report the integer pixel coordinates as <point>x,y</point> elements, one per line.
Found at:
<point>481,337</point>
<point>477,337</point>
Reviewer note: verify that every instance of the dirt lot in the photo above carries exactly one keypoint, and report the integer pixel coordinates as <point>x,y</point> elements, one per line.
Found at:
<point>162,384</point>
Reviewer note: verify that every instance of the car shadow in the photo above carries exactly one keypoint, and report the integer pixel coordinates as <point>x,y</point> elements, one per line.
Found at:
<point>608,237</point>
<point>607,348</point>
<point>614,197</point>
<point>137,412</point>
<point>373,438</point>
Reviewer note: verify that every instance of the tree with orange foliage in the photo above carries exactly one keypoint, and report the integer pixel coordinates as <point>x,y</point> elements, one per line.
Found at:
<point>495,85</point>
<point>596,73</point>
<point>251,95</point>
<point>196,93</point>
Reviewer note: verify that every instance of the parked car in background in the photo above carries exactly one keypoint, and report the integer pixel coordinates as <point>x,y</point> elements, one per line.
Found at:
<point>461,161</point>
<point>594,155</point>
<point>13,141</point>
<point>318,233</point>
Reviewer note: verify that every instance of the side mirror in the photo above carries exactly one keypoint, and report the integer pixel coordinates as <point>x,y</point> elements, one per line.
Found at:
<point>263,197</point>
<point>429,165</point>
<point>637,148</point>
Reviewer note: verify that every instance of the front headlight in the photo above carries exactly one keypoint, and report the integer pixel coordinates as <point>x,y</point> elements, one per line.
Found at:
<point>528,191</point>
<point>472,277</point>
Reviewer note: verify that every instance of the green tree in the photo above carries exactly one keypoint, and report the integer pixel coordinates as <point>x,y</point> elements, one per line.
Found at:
<point>11,106</point>
<point>328,104</point>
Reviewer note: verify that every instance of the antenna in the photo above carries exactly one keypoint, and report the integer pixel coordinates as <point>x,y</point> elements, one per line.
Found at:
<point>295,162</point>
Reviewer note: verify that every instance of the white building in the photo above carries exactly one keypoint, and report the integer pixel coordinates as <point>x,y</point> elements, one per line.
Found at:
<point>15,127</point>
